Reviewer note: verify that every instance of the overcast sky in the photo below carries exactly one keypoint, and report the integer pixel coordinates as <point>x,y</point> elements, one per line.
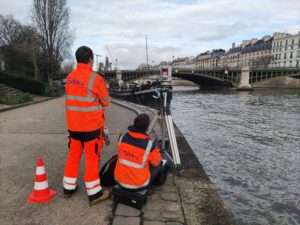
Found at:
<point>177,28</point>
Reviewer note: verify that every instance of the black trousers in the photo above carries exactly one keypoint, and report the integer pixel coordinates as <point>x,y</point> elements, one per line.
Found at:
<point>156,172</point>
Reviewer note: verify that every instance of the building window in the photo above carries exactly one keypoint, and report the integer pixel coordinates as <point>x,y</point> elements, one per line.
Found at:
<point>297,64</point>
<point>291,55</point>
<point>284,56</point>
<point>292,45</point>
<point>298,54</point>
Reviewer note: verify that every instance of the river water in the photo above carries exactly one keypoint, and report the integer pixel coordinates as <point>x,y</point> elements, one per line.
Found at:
<point>249,145</point>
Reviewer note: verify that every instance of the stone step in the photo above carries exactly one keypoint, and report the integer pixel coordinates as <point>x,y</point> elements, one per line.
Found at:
<point>6,90</point>
<point>13,91</point>
<point>10,91</point>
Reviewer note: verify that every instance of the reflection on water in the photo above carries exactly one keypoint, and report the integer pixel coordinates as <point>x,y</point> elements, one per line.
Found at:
<point>249,144</point>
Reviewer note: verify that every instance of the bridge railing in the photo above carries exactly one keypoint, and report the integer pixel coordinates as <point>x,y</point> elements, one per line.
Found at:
<point>257,74</point>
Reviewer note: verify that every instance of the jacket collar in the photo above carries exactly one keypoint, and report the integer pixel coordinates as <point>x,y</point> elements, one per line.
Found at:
<point>83,66</point>
<point>135,133</point>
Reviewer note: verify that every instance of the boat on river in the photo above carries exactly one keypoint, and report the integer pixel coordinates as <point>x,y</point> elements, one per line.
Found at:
<point>145,92</point>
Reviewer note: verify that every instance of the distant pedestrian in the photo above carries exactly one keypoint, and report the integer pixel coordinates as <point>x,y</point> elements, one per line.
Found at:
<point>86,99</point>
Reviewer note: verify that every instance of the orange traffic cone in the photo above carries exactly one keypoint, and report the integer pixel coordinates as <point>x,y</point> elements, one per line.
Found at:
<point>41,192</point>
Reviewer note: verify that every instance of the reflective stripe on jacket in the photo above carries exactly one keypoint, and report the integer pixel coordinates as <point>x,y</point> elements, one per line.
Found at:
<point>135,154</point>
<point>86,97</point>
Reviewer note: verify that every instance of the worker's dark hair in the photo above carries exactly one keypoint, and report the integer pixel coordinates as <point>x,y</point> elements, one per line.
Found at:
<point>84,54</point>
<point>141,122</point>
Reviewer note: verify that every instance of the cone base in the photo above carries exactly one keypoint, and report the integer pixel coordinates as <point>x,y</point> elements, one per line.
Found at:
<point>32,198</point>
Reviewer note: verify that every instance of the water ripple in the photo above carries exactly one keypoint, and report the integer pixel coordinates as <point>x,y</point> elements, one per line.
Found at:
<point>249,144</point>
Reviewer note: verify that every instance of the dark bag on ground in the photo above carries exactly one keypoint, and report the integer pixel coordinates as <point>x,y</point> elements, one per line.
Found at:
<point>107,172</point>
<point>133,198</point>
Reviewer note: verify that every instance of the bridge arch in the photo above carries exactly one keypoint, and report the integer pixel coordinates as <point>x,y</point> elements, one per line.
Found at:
<point>203,80</point>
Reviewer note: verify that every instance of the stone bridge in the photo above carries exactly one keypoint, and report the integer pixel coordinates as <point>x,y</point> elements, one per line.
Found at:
<point>241,78</point>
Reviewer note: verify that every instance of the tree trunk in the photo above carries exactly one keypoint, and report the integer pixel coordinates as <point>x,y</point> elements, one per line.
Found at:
<point>35,65</point>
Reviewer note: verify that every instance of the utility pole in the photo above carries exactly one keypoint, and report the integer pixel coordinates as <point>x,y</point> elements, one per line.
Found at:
<point>147,58</point>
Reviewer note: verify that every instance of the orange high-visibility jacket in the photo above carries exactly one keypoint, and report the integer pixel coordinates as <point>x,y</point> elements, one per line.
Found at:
<point>136,151</point>
<point>86,97</point>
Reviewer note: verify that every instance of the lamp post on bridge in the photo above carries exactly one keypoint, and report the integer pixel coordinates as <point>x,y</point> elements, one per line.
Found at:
<point>147,57</point>
<point>116,64</point>
<point>97,61</point>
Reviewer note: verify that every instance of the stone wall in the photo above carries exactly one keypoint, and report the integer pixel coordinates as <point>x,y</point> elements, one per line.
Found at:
<point>278,82</point>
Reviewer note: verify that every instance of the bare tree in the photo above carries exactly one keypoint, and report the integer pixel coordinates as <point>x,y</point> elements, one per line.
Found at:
<point>51,18</point>
<point>32,44</point>
<point>20,46</point>
<point>10,30</point>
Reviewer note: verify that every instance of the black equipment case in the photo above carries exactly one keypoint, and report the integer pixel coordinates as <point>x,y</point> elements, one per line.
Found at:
<point>135,199</point>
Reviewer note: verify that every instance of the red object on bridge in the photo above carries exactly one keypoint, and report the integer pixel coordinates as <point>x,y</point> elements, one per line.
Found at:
<point>41,192</point>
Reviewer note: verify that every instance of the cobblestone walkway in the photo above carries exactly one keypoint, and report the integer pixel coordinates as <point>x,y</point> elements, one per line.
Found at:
<point>163,208</point>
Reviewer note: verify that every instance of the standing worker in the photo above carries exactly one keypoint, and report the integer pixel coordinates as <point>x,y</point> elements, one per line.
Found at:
<point>86,99</point>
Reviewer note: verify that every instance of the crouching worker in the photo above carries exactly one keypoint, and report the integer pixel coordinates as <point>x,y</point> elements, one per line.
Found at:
<point>139,160</point>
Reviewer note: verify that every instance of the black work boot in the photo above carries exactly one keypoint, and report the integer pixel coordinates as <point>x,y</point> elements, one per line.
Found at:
<point>69,193</point>
<point>100,196</point>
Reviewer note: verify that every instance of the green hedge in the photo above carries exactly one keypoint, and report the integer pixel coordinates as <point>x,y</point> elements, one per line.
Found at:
<point>23,83</point>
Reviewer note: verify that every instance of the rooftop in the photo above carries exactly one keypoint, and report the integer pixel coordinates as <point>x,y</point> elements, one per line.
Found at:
<point>260,45</point>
